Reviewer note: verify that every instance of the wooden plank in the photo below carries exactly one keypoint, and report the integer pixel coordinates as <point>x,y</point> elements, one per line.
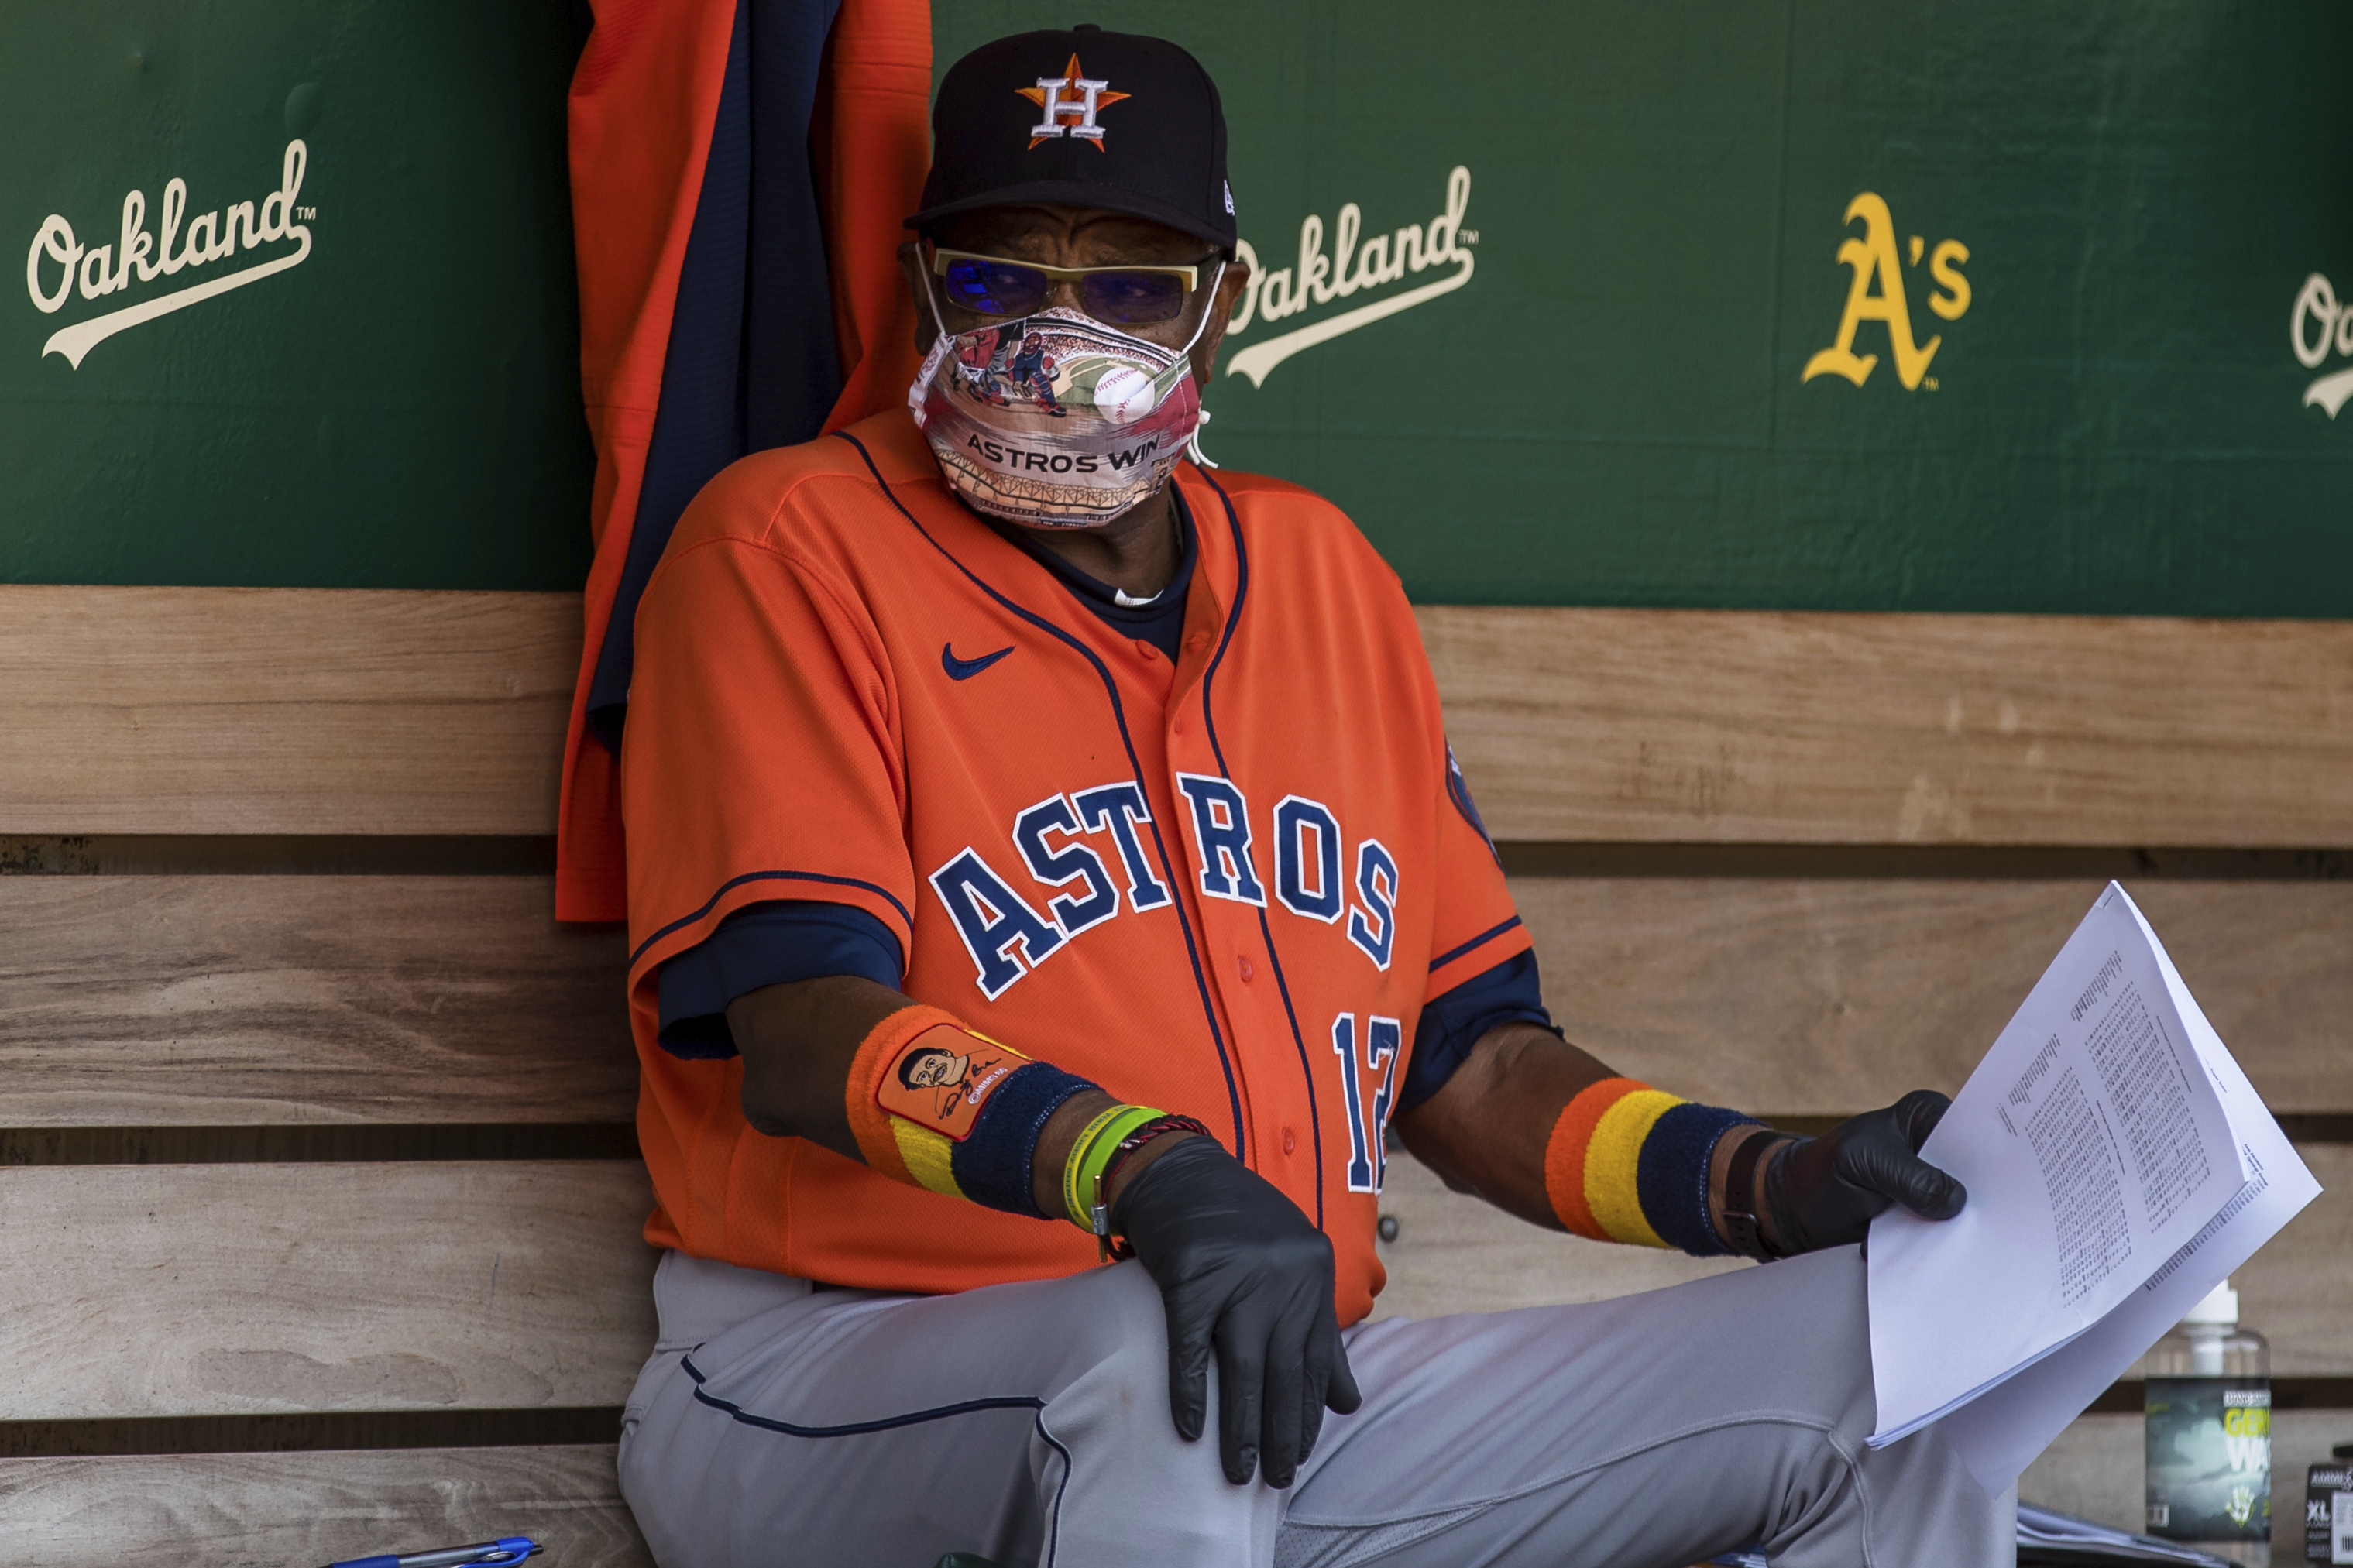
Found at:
<point>1456,1254</point>
<point>2098,1470</point>
<point>1767,726</point>
<point>272,1511</point>
<point>211,1290</point>
<point>2298,1290</point>
<point>1824,997</point>
<point>227,1000</point>
<point>153,1001</point>
<point>282,710</point>
<point>303,711</point>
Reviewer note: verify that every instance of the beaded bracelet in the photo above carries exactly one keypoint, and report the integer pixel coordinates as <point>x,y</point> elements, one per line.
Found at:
<point>1146,1134</point>
<point>1106,1246</point>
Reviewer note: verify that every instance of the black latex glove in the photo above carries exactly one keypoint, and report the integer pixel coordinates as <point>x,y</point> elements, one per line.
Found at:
<point>1243,1273</point>
<point>1824,1192</point>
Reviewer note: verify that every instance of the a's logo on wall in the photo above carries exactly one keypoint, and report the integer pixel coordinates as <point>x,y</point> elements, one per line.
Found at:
<point>1070,103</point>
<point>1876,293</point>
<point>2317,324</point>
<point>59,265</point>
<point>1359,264</point>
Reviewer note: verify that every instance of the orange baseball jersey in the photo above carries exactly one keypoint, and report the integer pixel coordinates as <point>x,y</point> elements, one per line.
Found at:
<point>1225,886</point>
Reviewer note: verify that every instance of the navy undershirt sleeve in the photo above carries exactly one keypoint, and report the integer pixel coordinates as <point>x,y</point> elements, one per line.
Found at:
<point>765,944</point>
<point>1450,1024</point>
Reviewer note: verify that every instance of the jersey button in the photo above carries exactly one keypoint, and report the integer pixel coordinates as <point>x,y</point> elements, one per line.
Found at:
<point>1290,1141</point>
<point>1243,963</point>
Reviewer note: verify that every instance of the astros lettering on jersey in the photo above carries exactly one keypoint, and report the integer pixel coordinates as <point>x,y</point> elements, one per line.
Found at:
<point>1224,887</point>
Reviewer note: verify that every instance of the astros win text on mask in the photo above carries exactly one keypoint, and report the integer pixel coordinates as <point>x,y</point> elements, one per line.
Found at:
<point>1056,420</point>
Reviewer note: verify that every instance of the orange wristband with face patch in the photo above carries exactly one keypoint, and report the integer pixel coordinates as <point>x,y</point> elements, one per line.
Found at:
<point>874,1074</point>
<point>919,1091</point>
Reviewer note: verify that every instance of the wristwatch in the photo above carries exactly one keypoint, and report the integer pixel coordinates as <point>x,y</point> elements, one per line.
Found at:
<point>1739,1196</point>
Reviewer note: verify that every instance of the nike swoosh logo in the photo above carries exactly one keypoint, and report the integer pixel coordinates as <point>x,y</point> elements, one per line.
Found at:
<point>1257,360</point>
<point>966,668</point>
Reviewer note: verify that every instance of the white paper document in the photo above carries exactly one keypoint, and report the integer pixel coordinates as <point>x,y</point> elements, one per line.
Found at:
<point>2119,1165</point>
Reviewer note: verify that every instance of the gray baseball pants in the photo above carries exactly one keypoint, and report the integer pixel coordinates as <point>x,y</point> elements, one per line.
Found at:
<point>778,1424</point>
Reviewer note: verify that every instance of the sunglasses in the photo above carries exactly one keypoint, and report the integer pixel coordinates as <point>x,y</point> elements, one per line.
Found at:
<point>1121,296</point>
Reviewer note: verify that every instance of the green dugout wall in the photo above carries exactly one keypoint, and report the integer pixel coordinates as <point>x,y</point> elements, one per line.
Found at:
<point>398,407</point>
<point>1994,307</point>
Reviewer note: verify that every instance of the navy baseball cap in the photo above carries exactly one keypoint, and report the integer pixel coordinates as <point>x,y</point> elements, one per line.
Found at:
<point>1082,118</point>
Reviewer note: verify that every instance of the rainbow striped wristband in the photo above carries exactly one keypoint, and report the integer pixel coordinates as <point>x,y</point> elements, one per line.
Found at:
<point>1629,1163</point>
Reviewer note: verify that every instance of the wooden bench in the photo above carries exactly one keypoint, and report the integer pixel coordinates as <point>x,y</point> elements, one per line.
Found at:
<point>324,1200</point>
<point>321,1185</point>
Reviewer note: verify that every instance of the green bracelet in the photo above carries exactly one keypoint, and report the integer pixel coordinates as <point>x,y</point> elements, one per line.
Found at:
<point>1096,1142</point>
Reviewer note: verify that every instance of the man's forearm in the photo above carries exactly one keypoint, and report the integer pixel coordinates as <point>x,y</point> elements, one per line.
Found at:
<point>1488,1128</point>
<point>798,1041</point>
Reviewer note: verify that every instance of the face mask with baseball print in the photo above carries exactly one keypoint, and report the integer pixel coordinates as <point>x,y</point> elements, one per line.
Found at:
<point>1056,420</point>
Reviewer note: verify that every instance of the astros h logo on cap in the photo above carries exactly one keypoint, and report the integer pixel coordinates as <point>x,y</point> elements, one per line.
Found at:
<point>1092,97</point>
<point>1007,132</point>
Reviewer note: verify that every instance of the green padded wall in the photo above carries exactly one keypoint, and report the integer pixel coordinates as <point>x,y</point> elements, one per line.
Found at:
<point>399,404</point>
<point>1595,390</point>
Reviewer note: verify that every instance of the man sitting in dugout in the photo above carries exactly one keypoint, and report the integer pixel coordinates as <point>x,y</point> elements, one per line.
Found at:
<point>988,731</point>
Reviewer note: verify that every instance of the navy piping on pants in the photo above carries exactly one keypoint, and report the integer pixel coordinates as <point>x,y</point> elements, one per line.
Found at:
<point>853,1429</point>
<point>913,1418</point>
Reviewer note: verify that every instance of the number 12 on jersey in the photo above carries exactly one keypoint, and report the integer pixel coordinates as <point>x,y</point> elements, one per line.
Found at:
<point>1367,1158</point>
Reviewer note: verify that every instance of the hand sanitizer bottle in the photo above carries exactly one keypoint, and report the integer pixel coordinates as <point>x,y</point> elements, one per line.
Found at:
<point>2209,1431</point>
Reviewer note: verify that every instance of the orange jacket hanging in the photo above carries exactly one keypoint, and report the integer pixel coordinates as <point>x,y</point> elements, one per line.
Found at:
<point>645,98</point>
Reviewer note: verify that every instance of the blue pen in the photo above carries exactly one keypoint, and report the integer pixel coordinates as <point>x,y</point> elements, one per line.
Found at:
<point>509,1549</point>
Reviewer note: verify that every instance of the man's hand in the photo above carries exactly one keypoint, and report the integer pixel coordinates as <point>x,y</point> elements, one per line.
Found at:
<point>1825,1192</point>
<point>1244,1273</point>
